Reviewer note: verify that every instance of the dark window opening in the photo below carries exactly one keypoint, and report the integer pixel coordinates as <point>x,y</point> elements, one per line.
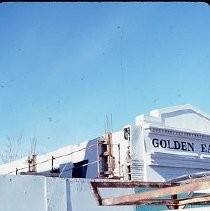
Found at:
<point>80,169</point>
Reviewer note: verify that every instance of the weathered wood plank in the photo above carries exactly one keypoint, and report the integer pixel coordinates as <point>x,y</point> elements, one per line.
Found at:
<point>195,200</point>
<point>148,195</point>
<point>133,184</point>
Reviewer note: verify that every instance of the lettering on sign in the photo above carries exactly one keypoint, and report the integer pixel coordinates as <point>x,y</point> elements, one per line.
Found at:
<point>180,145</point>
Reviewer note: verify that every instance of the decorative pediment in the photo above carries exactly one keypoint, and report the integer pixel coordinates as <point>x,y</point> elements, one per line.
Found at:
<point>185,117</point>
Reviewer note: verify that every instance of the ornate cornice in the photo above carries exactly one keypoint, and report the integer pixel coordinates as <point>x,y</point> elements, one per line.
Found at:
<point>179,133</point>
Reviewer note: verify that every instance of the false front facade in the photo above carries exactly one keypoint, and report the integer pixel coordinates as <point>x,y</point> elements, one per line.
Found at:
<point>163,145</point>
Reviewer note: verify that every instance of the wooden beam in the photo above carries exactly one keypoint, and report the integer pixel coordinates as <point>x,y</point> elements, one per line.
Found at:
<point>149,202</point>
<point>195,200</point>
<point>133,184</point>
<point>148,195</point>
<point>96,193</point>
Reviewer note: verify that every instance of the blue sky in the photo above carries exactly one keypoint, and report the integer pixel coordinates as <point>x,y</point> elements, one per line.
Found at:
<point>63,66</point>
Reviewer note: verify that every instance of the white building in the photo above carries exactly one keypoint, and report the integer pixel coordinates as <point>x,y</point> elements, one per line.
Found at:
<point>163,145</point>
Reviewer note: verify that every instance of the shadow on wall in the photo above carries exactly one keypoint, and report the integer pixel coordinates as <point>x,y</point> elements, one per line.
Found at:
<point>85,167</point>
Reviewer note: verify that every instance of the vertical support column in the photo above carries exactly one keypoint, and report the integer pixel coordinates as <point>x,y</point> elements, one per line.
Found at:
<point>108,160</point>
<point>52,164</point>
<point>128,155</point>
<point>119,163</point>
<point>32,166</point>
<point>173,207</point>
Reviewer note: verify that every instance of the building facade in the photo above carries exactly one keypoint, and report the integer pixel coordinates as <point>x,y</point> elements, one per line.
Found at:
<point>163,145</point>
